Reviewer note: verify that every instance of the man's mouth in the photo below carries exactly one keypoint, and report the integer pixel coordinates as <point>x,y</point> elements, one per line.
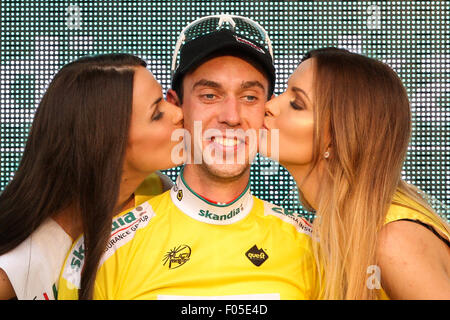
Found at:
<point>232,147</point>
<point>227,142</point>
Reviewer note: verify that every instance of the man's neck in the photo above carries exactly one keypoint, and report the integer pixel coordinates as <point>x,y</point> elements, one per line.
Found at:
<point>212,188</point>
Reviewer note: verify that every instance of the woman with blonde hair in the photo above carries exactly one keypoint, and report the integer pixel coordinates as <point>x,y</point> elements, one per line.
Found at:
<point>344,125</point>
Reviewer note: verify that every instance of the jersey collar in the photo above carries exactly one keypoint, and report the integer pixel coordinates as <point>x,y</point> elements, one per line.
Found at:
<point>190,203</point>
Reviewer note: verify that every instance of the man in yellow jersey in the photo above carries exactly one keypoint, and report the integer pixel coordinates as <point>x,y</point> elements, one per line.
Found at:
<point>209,237</point>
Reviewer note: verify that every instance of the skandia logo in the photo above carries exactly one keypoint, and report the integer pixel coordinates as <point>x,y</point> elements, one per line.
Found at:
<point>293,218</point>
<point>123,221</point>
<point>211,215</point>
<point>249,44</point>
<point>123,230</point>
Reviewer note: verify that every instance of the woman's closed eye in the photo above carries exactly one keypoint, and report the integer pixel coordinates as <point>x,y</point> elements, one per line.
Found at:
<point>157,114</point>
<point>297,104</point>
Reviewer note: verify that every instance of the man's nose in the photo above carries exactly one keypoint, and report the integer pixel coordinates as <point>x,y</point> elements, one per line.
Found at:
<point>230,112</point>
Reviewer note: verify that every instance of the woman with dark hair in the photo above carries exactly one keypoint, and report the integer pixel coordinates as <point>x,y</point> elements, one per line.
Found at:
<point>344,126</point>
<point>101,130</point>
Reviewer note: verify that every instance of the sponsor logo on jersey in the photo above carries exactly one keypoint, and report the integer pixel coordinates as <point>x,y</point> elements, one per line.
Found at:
<point>211,215</point>
<point>177,256</point>
<point>123,230</point>
<point>256,256</point>
<point>180,195</point>
<point>301,224</point>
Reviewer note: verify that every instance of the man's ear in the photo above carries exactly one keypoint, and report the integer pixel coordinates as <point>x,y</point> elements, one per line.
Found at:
<point>172,97</point>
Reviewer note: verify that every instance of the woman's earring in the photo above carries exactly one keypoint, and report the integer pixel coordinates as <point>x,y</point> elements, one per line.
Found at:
<point>326,155</point>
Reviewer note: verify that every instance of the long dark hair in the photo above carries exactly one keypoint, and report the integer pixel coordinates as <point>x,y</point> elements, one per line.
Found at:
<point>74,155</point>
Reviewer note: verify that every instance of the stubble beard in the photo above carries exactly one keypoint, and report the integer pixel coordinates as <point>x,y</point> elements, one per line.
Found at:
<point>225,172</point>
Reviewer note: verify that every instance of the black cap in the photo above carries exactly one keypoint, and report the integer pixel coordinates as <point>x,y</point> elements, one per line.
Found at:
<point>218,43</point>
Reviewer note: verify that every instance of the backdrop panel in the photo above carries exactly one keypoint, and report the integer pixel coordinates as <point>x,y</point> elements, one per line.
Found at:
<point>38,37</point>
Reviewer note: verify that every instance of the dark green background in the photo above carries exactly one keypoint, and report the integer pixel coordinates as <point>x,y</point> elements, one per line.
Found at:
<point>412,37</point>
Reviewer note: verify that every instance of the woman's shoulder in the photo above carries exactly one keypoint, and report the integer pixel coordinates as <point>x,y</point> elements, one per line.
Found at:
<point>33,265</point>
<point>47,238</point>
<point>413,261</point>
<point>413,241</point>
<point>404,208</point>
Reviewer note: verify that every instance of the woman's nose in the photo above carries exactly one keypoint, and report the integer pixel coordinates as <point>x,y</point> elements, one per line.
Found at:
<point>176,114</point>
<point>271,108</point>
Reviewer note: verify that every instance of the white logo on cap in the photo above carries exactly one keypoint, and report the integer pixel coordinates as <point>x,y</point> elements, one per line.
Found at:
<point>249,44</point>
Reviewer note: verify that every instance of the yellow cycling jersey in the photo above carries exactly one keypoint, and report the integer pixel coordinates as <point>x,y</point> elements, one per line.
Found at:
<point>178,245</point>
<point>405,208</point>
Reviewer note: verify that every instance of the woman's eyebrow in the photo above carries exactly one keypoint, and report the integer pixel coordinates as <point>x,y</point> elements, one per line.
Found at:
<point>297,89</point>
<point>158,100</point>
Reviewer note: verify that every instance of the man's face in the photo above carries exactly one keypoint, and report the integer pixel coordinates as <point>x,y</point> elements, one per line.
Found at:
<point>226,95</point>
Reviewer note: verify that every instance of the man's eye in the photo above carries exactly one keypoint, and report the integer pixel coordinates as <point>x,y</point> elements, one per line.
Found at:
<point>209,96</point>
<point>250,98</point>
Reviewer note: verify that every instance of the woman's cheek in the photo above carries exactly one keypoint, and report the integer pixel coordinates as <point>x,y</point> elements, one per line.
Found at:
<point>296,139</point>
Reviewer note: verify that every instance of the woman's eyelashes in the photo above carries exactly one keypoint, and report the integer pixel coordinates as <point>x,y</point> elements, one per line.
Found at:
<point>157,114</point>
<point>297,104</point>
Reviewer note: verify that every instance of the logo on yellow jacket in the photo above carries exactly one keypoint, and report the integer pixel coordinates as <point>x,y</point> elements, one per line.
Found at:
<point>177,256</point>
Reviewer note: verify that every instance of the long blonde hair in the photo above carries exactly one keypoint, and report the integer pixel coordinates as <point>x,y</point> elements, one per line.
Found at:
<point>362,106</point>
